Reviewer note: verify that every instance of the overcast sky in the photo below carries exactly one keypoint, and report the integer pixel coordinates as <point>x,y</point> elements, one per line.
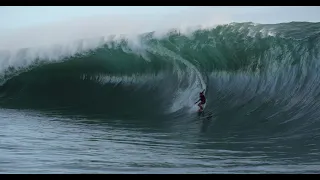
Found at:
<point>24,16</point>
<point>49,24</point>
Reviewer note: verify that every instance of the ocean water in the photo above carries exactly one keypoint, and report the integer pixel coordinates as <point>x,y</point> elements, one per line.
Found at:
<point>127,106</point>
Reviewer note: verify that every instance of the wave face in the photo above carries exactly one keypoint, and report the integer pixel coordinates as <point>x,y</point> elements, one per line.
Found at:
<point>259,77</point>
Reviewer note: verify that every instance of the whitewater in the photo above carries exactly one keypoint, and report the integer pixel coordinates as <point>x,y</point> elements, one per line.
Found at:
<point>125,103</point>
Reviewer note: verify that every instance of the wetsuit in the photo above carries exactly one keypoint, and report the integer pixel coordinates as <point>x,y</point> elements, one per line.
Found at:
<point>202,99</point>
<point>202,102</point>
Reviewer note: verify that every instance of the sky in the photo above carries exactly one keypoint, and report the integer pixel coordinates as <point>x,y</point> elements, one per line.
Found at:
<point>32,26</point>
<point>25,16</point>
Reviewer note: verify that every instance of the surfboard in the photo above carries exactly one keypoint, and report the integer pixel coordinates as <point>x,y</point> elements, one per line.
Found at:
<point>207,116</point>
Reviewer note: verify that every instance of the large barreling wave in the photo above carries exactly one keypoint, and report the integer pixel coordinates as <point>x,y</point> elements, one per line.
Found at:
<point>255,75</point>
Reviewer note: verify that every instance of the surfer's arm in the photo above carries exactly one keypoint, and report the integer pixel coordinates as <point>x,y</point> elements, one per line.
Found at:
<point>197,101</point>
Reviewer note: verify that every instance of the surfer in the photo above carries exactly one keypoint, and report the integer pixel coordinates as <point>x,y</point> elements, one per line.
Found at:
<point>202,101</point>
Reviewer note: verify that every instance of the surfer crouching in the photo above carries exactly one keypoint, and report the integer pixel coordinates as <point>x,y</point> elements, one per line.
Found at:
<point>202,101</point>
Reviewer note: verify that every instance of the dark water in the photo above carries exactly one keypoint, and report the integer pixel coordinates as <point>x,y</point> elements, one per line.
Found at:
<point>128,106</point>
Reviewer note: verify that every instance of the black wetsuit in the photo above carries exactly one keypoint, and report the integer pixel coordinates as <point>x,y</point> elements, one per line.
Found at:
<point>202,99</point>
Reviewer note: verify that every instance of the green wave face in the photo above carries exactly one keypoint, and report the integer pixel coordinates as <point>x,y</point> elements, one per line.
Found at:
<point>251,73</point>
